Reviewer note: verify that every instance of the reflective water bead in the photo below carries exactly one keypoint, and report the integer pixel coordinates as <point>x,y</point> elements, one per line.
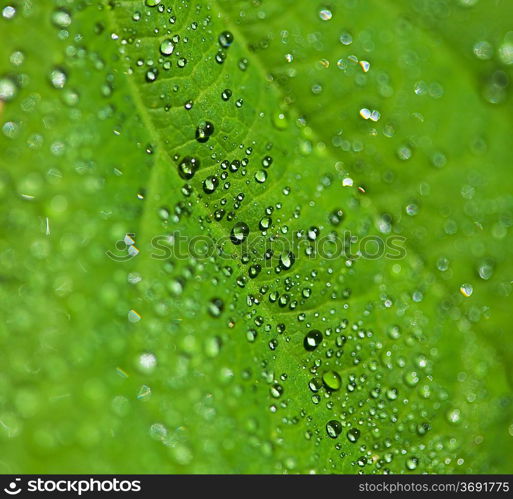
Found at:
<point>312,340</point>
<point>333,428</point>
<point>167,47</point>
<point>225,39</point>
<point>239,233</point>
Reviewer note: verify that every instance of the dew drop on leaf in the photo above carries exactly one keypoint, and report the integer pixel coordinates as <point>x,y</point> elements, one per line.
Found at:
<point>353,434</point>
<point>239,233</point>
<point>61,18</point>
<point>188,167</point>
<point>333,428</point>
<point>225,39</point>
<point>216,307</point>
<point>204,131</point>
<point>332,380</point>
<point>312,340</point>
<point>167,47</point>
<point>8,89</point>
<point>226,94</point>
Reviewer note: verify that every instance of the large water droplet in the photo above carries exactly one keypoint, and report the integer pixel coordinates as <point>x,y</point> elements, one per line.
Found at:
<point>312,340</point>
<point>167,47</point>
<point>332,380</point>
<point>225,39</point>
<point>333,428</point>
<point>188,167</point>
<point>239,233</point>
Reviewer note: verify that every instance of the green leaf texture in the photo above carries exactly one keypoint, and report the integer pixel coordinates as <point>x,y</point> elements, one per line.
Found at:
<point>253,236</point>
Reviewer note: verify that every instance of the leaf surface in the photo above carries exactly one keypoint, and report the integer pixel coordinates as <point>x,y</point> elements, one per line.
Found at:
<point>190,356</point>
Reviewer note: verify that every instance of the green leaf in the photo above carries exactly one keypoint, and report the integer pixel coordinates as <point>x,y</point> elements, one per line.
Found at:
<point>213,263</point>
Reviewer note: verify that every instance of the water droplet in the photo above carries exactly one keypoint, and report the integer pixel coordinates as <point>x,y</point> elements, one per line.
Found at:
<point>210,184</point>
<point>58,78</point>
<point>365,65</point>
<point>280,120</point>
<point>220,57</point>
<point>167,47</point>
<point>276,391</point>
<point>204,131</point>
<point>485,270</point>
<point>188,167</point>
<point>287,259</point>
<point>325,14</point>
<point>312,233</point>
<point>411,378</point>
<point>261,176</point>
<point>8,89</point>
<point>254,270</point>
<point>8,12</point>
<point>243,64</point>
<point>267,161</point>
<point>346,38</point>
<point>454,416</point>
<point>392,393</point>
<point>353,435</point>
<point>151,75</point>
<point>466,290</point>
<point>332,380</point>
<point>176,286</point>
<point>216,307</point>
<point>133,316</point>
<point>411,463</point>
<point>394,332</point>
<point>335,217</point>
<point>312,340</point>
<point>404,153</point>
<point>147,362</point>
<point>239,233</point>
<point>483,50</point>
<point>225,39</point>
<point>506,53</point>
<point>333,428</point>
<point>226,94</point>
<point>265,223</point>
<point>61,18</point>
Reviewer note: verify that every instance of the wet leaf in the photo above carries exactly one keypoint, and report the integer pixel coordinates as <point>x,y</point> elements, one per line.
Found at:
<point>239,241</point>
